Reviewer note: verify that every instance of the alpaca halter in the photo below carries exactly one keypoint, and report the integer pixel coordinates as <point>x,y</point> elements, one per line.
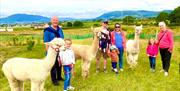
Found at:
<point>56,49</point>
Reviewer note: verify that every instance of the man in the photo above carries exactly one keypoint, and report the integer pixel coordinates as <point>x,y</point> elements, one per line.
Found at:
<point>166,43</point>
<point>104,42</point>
<point>49,34</point>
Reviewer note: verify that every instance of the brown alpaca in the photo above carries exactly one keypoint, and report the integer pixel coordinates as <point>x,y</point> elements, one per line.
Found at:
<point>87,53</point>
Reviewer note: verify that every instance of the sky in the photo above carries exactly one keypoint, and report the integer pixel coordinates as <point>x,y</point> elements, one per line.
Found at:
<point>81,8</point>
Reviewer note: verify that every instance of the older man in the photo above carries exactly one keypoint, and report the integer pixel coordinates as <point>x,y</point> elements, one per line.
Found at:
<point>49,34</point>
<point>165,40</point>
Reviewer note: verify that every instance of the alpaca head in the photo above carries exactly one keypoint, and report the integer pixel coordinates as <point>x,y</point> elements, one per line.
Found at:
<point>95,32</point>
<point>57,44</point>
<point>138,29</point>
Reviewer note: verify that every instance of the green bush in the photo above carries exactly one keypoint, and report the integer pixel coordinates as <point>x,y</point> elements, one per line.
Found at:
<point>30,43</point>
<point>78,24</point>
<point>69,24</point>
<point>15,40</point>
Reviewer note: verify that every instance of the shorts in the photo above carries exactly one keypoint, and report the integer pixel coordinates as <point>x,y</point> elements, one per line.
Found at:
<point>101,53</point>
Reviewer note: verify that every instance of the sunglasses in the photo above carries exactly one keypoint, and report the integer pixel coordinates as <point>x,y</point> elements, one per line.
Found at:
<point>117,26</point>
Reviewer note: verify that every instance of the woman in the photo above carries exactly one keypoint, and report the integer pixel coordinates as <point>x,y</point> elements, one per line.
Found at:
<point>119,40</point>
<point>165,41</point>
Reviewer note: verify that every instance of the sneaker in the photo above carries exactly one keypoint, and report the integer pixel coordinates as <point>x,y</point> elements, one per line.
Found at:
<point>60,79</point>
<point>55,83</point>
<point>70,88</point>
<point>115,70</point>
<point>165,73</point>
<point>153,70</point>
<point>161,70</point>
<point>105,71</point>
<point>97,70</point>
<point>121,70</point>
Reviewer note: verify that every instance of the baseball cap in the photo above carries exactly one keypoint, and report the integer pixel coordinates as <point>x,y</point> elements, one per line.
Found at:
<point>113,47</point>
<point>105,21</point>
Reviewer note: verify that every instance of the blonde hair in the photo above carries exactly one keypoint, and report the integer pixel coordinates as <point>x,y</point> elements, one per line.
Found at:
<point>68,39</point>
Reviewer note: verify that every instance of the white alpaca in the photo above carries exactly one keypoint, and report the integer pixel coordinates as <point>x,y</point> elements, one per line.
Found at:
<point>132,48</point>
<point>87,53</point>
<point>18,70</point>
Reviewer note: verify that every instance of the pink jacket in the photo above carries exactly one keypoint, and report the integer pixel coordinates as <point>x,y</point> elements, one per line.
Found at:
<point>167,40</point>
<point>113,39</point>
<point>152,50</point>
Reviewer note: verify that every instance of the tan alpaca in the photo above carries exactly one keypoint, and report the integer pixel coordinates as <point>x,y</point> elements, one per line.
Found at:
<point>87,53</point>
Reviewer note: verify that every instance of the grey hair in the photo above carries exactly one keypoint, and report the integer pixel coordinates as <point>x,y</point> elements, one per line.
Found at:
<point>162,24</point>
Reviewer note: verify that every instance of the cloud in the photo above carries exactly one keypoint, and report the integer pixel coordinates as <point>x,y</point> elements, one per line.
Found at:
<point>81,8</point>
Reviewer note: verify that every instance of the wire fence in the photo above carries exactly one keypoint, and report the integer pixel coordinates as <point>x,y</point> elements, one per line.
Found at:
<point>7,37</point>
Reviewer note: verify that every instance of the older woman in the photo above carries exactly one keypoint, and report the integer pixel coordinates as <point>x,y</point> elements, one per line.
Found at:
<point>119,40</point>
<point>165,40</point>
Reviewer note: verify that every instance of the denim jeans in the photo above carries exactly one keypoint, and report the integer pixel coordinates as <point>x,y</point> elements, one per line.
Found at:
<point>152,61</point>
<point>121,51</point>
<point>67,73</point>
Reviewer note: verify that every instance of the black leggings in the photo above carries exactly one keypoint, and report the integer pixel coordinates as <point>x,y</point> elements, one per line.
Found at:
<point>165,57</point>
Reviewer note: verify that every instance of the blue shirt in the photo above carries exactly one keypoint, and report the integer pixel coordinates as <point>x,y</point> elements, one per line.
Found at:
<point>118,40</point>
<point>50,33</point>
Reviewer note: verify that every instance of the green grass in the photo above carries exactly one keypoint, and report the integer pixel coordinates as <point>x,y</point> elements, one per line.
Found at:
<point>140,79</point>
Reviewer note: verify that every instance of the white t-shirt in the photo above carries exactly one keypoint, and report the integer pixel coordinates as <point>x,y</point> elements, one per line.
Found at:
<point>67,57</point>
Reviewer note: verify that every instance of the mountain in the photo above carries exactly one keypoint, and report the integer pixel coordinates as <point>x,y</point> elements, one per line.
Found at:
<point>24,18</point>
<point>138,14</point>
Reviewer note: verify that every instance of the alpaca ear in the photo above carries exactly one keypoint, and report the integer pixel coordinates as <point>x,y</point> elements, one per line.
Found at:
<point>92,28</point>
<point>141,26</point>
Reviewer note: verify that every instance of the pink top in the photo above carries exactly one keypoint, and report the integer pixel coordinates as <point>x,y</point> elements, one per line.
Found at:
<point>167,40</point>
<point>113,41</point>
<point>152,50</point>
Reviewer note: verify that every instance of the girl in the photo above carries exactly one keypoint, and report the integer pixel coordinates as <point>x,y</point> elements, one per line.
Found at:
<point>152,51</point>
<point>68,60</point>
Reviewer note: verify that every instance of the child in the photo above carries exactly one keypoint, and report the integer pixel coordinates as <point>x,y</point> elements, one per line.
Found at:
<point>152,51</point>
<point>68,60</point>
<point>114,57</point>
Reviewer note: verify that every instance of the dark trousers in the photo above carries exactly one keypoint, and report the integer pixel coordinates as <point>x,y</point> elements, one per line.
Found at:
<point>56,72</point>
<point>152,61</point>
<point>165,57</point>
<point>113,65</point>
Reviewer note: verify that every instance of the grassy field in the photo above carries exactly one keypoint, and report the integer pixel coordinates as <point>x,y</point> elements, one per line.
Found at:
<point>140,79</point>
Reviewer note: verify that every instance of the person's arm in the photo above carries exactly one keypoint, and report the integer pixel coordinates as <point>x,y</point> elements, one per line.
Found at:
<point>117,51</point>
<point>73,57</point>
<point>147,51</point>
<point>109,54</point>
<point>46,39</point>
<point>171,41</point>
<point>124,41</point>
<point>46,47</point>
<point>61,33</point>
